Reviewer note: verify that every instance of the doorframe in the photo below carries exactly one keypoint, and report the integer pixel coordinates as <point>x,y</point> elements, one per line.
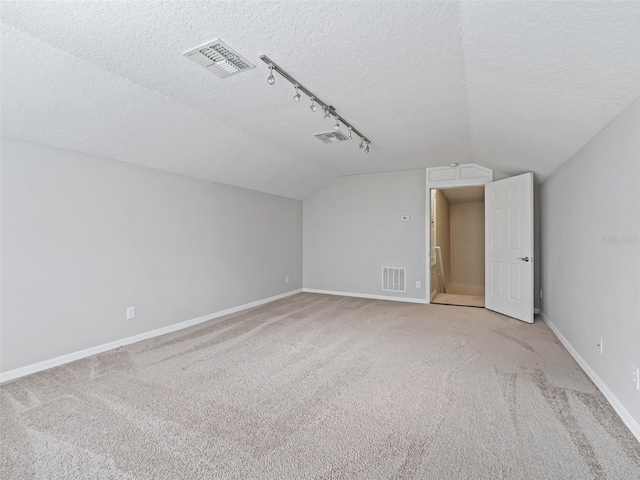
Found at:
<point>465,175</point>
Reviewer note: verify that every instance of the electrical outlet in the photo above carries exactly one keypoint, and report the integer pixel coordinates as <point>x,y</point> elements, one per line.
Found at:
<point>131,313</point>
<point>636,377</point>
<point>286,279</point>
<point>418,284</point>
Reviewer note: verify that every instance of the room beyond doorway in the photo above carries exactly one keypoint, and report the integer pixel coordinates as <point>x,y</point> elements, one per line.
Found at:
<point>457,246</point>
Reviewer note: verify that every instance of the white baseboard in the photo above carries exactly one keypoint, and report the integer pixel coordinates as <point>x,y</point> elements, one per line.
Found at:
<point>624,414</point>
<point>70,357</point>
<point>365,295</point>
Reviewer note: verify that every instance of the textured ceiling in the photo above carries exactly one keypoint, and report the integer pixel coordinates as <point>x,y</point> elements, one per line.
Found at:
<point>514,86</point>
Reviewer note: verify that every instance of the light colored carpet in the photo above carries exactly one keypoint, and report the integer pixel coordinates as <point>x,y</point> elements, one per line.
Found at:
<point>321,387</point>
<point>460,300</point>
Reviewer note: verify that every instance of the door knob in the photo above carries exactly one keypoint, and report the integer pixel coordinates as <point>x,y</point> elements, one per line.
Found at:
<point>524,259</point>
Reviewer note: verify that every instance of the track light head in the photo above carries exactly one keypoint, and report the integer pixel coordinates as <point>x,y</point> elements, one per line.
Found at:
<point>329,112</point>
<point>271,79</point>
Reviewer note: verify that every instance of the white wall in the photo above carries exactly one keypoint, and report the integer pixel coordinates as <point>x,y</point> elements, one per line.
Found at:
<point>352,228</point>
<point>85,237</point>
<point>590,278</point>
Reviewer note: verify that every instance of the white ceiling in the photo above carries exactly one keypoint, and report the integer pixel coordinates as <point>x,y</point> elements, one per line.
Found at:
<point>514,86</point>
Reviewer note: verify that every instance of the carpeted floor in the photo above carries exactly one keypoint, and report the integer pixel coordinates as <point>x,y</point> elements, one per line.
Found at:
<point>321,387</point>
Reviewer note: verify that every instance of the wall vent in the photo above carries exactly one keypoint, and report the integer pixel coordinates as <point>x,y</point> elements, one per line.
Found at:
<point>334,136</point>
<point>219,58</point>
<point>393,279</point>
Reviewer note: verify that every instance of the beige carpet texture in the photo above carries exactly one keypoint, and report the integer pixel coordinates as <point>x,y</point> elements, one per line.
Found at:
<point>321,387</point>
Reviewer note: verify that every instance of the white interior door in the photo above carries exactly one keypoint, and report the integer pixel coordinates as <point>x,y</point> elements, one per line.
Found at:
<point>509,247</point>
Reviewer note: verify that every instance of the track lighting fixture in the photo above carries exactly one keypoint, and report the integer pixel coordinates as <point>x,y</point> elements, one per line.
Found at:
<point>329,110</point>
<point>271,79</point>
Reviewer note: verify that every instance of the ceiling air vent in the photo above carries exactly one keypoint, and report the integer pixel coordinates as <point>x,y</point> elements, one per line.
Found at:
<point>333,136</point>
<point>219,58</point>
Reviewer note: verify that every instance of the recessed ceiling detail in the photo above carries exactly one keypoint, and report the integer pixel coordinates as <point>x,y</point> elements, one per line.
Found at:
<point>219,58</point>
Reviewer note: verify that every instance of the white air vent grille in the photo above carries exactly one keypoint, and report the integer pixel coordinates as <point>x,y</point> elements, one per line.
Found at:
<point>219,58</point>
<point>393,279</point>
<point>333,136</point>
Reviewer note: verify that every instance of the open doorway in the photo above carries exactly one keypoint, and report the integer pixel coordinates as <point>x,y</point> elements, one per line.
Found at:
<point>457,246</point>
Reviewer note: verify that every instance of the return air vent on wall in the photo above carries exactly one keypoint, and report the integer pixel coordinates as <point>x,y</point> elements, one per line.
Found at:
<point>393,279</point>
<point>219,58</point>
<point>333,136</point>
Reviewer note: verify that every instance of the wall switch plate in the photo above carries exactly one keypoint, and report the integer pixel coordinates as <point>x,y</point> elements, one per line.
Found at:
<point>600,346</point>
<point>286,279</point>
<point>540,293</point>
<point>405,218</point>
<point>636,377</point>
<point>131,313</point>
<point>418,284</point>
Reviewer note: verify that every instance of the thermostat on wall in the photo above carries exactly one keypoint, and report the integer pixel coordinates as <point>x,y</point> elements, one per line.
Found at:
<point>405,218</point>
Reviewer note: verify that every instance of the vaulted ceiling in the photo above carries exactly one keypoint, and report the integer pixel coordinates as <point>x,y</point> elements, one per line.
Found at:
<point>514,86</point>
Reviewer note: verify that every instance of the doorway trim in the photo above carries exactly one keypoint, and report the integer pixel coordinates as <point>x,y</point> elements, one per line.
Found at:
<point>465,175</point>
